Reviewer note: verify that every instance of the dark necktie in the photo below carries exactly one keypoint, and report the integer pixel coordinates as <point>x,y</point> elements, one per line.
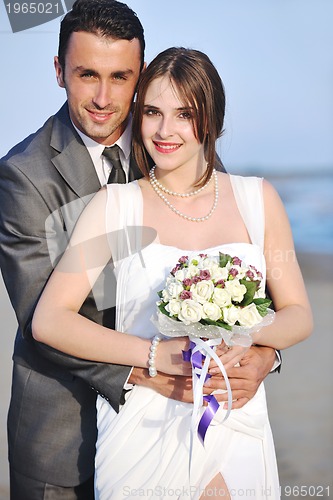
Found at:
<point>117,174</point>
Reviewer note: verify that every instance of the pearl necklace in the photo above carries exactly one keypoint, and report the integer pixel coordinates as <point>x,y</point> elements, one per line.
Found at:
<point>158,191</point>
<point>160,186</point>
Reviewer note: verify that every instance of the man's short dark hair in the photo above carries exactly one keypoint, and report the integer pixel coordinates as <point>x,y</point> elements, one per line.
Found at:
<point>108,18</point>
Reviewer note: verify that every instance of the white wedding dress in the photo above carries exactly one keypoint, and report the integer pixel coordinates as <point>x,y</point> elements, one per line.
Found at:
<point>143,451</point>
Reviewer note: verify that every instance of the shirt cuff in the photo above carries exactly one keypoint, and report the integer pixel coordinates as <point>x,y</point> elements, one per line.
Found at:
<point>127,385</point>
<point>277,362</point>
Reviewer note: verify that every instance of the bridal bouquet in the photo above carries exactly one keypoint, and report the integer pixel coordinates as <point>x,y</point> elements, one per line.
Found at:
<point>209,299</point>
<point>204,291</point>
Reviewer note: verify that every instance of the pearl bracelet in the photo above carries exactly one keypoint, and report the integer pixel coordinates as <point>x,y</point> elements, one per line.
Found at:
<point>152,355</point>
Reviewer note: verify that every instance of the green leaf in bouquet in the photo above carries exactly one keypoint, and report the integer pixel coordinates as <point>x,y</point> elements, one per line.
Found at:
<point>221,324</point>
<point>251,288</point>
<point>262,306</point>
<point>224,258</point>
<point>160,294</point>
<point>161,307</point>
<point>260,301</point>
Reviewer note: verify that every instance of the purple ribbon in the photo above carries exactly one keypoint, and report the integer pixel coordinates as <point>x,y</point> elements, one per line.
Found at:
<point>197,360</point>
<point>207,416</point>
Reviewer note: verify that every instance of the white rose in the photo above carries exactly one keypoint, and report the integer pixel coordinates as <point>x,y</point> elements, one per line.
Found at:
<point>230,314</point>
<point>241,271</point>
<point>249,316</point>
<point>173,307</point>
<point>198,260</point>
<point>209,264</point>
<point>190,312</point>
<point>222,297</point>
<point>220,273</point>
<point>192,271</point>
<point>180,274</point>
<point>165,296</point>
<point>211,311</point>
<point>202,291</point>
<point>236,290</point>
<point>172,290</point>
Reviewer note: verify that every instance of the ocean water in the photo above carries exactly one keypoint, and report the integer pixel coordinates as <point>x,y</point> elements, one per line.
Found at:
<point>308,199</point>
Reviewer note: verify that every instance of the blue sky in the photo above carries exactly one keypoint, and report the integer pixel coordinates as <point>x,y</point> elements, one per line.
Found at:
<point>274,56</point>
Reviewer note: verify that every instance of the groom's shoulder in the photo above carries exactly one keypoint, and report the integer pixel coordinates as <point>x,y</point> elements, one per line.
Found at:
<point>37,146</point>
<point>34,144</point>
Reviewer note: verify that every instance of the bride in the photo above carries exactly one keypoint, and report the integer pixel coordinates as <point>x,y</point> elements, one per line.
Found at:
<point>189,208</point>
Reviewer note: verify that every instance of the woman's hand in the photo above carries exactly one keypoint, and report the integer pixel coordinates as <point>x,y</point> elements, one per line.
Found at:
<point>229,357</point>
<point>169,357</point>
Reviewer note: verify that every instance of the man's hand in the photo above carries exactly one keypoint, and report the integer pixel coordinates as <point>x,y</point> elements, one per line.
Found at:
<point>244,379</point>
<point>171,386</point>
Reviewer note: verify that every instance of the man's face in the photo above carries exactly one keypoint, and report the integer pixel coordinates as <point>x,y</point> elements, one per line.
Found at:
<point>100,78</point>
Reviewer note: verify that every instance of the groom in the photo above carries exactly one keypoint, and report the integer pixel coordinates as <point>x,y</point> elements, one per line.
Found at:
<point>51,421</point>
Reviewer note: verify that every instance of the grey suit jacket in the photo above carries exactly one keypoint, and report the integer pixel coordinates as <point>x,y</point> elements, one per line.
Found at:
<point>52,416</point>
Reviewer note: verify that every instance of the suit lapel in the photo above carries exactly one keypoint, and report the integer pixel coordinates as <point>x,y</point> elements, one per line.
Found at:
<point>73,161</point>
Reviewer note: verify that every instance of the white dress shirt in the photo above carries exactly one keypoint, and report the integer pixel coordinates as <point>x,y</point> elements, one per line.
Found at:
<point>101,163</point>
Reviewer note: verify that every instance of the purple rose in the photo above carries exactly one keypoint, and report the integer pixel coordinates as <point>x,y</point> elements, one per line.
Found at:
<point>187,282</point>
<point>204,275</point>
<point>236,261</point>
<point>258,273</point>
<point>233,272</point>
<point>175,269</point>
<point>186,294</point>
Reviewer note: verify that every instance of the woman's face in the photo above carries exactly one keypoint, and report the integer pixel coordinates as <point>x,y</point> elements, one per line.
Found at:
<point>167,128</point>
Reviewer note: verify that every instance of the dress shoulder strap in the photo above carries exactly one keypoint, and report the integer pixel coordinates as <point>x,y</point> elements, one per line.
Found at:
<point>249,198</point>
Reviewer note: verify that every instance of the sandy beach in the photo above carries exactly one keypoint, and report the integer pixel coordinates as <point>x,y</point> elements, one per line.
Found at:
<point>300,397</point>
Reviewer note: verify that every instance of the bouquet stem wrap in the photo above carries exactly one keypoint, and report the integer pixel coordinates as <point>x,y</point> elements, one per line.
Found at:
<point>200,354</point>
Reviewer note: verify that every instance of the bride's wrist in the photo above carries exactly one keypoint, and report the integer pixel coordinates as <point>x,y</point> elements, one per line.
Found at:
<point>137,351</point>
<point>152,355</point>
